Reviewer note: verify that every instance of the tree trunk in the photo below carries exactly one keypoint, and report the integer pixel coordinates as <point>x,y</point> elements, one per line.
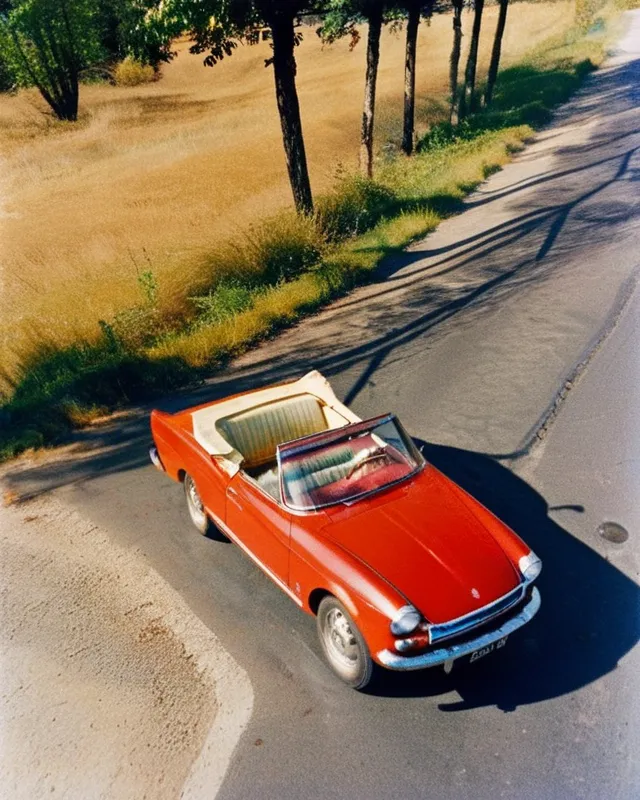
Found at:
<point>61,93</point>
<point>71,100</point>
<point>496,51</point>
<point>368,114</point>
<point>454,61</point>
<point>71,82</point>
<point>413,23</point>
<point>63,77</point>
<point>468,100</point>
<point>284,68</point>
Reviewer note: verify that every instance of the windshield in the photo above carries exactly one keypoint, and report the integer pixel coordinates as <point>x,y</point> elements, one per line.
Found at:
<point>341,465</point>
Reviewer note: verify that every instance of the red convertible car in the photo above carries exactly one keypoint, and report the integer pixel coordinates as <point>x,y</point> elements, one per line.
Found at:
<point>399,565</point>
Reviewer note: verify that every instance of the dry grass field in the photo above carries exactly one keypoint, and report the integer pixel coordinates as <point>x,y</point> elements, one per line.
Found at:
<point>154,177</point>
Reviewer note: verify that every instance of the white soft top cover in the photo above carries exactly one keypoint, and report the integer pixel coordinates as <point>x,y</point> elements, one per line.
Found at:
<point>205,430</point>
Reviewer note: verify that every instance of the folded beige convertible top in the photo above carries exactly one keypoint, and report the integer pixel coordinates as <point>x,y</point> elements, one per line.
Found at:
<point>205,421</point>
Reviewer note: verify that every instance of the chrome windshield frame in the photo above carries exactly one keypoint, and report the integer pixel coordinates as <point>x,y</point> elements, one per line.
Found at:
<point>312,442</point>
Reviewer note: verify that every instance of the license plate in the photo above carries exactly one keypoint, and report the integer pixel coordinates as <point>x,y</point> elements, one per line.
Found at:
<point>484,651</point>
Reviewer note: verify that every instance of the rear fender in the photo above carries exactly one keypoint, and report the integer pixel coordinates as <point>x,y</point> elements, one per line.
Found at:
<point>169,443</point>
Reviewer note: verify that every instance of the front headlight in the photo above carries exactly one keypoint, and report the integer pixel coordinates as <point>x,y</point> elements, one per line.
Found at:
<point>530,566</point>
<point>405,621</point>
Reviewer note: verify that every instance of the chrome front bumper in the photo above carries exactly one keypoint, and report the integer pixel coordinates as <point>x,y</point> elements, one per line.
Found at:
<point>434,657</point>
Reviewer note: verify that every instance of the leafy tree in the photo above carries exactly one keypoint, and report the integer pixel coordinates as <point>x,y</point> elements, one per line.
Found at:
<point>454,61</point>
<point>219,25</point>
<point>496,51</point>
<point>47,44</point>
<point>108,12</point>
<point>142,29</point>
<point>6,82</point>
<point>468,97</point>
<point>341,19</point>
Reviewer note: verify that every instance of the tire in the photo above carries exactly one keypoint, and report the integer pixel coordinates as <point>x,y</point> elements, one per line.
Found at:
<point>343,645</point>
<point>196,509</point>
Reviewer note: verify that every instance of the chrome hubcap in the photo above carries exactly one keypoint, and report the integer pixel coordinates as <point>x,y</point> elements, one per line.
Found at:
<point>341,644</point>
<point>195,503</point>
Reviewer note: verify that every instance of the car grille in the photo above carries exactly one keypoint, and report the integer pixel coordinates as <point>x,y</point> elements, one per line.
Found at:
<point>458,626</point>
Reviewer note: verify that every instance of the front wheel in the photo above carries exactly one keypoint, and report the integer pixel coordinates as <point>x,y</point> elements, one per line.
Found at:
<point>196,508</point>
<point>343,644</point>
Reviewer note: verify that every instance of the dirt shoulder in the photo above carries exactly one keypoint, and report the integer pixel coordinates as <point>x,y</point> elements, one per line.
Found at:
<point>111,687</point>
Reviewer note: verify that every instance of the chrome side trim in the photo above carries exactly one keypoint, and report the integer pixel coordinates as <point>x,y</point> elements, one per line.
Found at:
<point>442,654</point>
<point>480,616</point>
<point>228,532</point>
<point>155,459</point>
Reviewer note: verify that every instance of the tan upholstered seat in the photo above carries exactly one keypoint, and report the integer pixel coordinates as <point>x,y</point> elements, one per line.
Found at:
<point>318,471</point>
<point>256,433</point>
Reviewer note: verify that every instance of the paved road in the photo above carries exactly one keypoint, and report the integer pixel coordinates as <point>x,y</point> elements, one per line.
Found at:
<point>468,338</point>
<point>588,471</point>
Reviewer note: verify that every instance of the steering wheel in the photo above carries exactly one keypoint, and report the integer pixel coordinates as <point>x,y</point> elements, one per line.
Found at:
<point>366,456</point>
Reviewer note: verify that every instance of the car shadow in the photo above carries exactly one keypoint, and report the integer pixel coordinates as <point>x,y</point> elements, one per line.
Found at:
<point>590,614</point>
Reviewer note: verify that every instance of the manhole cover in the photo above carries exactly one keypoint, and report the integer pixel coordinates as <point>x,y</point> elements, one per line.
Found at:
<point>613,532</point>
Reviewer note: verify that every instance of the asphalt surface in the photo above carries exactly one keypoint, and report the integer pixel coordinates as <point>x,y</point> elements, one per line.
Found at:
<point>469,338</point>
<point>588,471</point>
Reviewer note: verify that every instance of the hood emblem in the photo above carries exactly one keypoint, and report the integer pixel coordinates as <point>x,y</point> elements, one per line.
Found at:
<point>475,593</point>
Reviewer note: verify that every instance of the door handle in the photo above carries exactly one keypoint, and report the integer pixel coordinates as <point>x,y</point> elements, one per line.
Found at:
<point>232,491</point>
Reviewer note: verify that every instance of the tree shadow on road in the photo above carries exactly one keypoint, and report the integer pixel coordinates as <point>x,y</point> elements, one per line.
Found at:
<point>590,614</point>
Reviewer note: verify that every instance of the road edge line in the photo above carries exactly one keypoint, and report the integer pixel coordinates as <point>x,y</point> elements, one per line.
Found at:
<point>538,431</point>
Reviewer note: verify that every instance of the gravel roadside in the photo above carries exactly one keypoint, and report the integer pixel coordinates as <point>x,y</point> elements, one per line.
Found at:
<point>111,687</point>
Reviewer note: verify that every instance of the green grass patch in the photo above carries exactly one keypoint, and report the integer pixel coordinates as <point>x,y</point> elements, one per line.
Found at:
<point>280,270</point>
<point>526,93</point>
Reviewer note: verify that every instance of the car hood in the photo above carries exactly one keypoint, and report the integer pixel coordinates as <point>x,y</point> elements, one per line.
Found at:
<point>425,541</point>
